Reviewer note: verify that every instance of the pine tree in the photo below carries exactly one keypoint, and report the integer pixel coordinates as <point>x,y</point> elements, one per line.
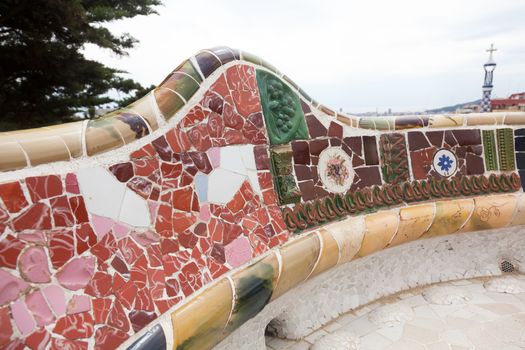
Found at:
<point>44,76</point>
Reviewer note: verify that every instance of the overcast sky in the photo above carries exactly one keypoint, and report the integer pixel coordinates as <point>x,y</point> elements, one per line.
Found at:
<point>358,55</point>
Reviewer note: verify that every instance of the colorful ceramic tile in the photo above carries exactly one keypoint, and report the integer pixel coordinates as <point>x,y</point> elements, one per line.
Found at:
<point>394,158</point>
<point>491,212</point>
<point>298,262</point>
<point>380,229</point>
<point>199,323</point>
<point>282,110</point>
<point>414,221</point>
<point>505,149</point>
<point>489,147</point>
<point>450,216</point>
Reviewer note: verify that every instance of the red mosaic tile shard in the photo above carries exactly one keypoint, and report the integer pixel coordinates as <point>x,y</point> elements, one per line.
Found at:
<point>10,249</point>
<point>215,125</point>
<point>181,199</point>
<point>120,266</point>
<point>100,285</point>
<point>126,294</point>
<point>72,184</point>
<point>61,246</point>
<point>194,116</point>
<point>62,215</point>
<point>76,326</point>
<point>156,283</point>
<point>109,338</point>
<point>164,305</point>
<point>144,167</point>
<point>170,170</point>
<point>122,171</point>
<point>42,187</point>
<point>243,88</point>
<point>163,223</point>
<point>141,186</point>
<point>61,344</point>
<point>200,138</point>
<point>15,345</point>
<point>86,237</point>
<point>117,318</point>
<point>101,309</point>
<point>144,301</point>
<point>4,218</point>
<point>13,196</point>
<point>154,255</point>
<point>145,152</point>
<point>190,278</point>
<point>178,140</point>
<point>104,249</point>
<point>130,250</point>
<point>139,319</point>
<point>163,148</point>
<point>138,272</point>
<point>6,329</point>
<point>38,340</point>
<point>79,209</point>
<point>36,217</point>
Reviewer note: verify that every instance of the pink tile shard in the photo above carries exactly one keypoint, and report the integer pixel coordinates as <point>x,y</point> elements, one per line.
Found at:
<point>10,287</point>
<point>33,264</point>
<point>77,273</point>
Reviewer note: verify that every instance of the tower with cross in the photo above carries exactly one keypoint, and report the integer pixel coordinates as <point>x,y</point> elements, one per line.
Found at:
<point>487,84</point>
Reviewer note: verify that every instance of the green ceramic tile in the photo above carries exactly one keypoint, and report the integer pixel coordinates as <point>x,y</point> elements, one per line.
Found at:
<point>182,84</point>
<point>188,68</point>
<point>489,148</point>
<point>505,149</point>
<point>251,58</point>
<point>282,110</point>
<point>287,189</point>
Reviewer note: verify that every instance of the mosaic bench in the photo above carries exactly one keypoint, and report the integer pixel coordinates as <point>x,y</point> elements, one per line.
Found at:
<point>172,222</point>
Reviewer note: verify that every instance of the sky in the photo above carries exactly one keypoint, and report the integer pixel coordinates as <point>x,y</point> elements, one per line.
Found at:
<point>355,55</point>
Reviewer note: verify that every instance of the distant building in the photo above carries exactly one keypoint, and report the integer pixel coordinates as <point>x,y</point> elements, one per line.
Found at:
<point>515,102</point>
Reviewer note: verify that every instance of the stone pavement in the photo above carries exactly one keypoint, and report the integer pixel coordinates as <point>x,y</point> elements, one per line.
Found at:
<point>481,314</point>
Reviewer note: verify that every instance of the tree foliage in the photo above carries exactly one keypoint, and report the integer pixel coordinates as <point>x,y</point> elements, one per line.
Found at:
<point>44,76</point>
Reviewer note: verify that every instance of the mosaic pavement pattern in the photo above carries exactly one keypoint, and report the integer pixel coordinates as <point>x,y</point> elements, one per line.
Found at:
<point>222,181</point>
<point>477,314</point>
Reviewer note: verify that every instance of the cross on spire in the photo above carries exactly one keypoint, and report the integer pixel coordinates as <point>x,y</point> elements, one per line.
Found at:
<point>491,50</point>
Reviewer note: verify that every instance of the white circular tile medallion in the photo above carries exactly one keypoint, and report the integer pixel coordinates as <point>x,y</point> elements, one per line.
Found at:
<point>335,170</point>
<point>445,162</point>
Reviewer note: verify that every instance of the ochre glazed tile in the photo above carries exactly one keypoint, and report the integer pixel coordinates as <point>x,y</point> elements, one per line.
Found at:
<point>298,261</point>
<point>491,212</point>
<point>349,235</point>
<point>144,108</point>
<point>519,214</point>
<point>12,156</point>
<point>445,121</point>
<point>450,217</point>
<point>102,136</point>
<point>131,126</point>
<point>45,150</point>
<point>380,228</point>
<point>329,255</point>
<point>515,118</point>
<point>413,222</point>
<point>168,102</point>
<point>485,118</point>
<point>253,289</point>
<point>71,134</point>
<point>199,323</point>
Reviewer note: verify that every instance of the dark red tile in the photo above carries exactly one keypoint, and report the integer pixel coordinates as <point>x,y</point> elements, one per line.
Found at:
<point>370,150</point>
<point>42,187</point>
<point>123,171</point>
<point>13,196</point>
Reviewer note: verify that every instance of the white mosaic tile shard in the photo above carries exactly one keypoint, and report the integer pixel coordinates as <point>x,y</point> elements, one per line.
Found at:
<point>446,295</point>
<point>102,192</point>
<point>134,210</point>
<point>507,284</point>
<point>231,159</point>
<point>339,340</point>
<point>222,185</point>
